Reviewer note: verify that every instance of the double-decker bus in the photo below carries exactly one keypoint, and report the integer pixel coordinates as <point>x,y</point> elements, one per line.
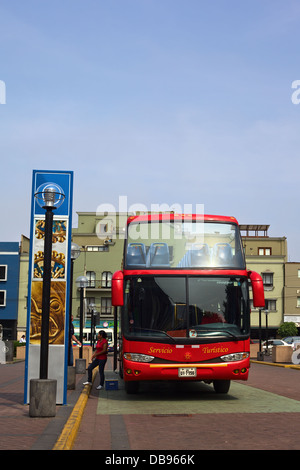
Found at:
<point>184,297</point>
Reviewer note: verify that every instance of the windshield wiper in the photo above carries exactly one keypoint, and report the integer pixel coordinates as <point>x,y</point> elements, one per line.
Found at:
<point>231,334</point>
<point>218,332</point>
<point>146,330</point>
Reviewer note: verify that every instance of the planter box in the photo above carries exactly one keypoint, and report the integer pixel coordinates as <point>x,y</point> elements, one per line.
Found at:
<point>254,348</point>
<point>20,352</point>
<point>282,353</point>
<point>86,353</point>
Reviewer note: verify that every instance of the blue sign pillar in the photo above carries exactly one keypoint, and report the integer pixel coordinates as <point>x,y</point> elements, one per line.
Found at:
<point>60,285</point>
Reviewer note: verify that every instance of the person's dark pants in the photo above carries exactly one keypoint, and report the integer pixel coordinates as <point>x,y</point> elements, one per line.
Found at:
<point>97,362</point>
<point>71,357</point>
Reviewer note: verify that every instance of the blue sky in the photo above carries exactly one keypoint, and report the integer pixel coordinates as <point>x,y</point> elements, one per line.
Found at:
<point>163,101</point>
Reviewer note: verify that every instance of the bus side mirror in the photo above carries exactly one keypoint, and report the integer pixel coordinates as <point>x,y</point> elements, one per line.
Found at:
<point>257,289</point>
<point>117,296</point>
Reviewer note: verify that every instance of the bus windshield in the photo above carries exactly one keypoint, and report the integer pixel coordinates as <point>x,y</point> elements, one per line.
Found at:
<point>170,244</point>
<point>165,307</point>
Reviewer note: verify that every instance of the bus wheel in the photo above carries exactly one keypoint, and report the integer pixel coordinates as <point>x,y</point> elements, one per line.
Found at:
<point>131,387</point>
<point>221,386</point>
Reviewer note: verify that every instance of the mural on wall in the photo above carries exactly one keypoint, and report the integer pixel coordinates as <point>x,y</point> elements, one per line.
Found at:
<point>59,231</point>
<point>58,289</point>
<point>57,312</point>
<point>59,246</point>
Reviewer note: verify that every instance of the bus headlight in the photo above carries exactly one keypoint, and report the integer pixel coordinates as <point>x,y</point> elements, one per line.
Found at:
<point>235,357</point>
<point>136,357</point>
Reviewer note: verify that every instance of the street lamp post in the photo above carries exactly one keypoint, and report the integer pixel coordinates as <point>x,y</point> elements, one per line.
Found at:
<point>92,309</point>
<point>75,253</point>
<point>49,196</point>
<point>81,282</point>
<point>260,354</point>
<point>267,339</point>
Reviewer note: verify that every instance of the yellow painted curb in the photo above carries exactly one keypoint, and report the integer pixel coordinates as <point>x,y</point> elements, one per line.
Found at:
<point>277,364</point>
<point>69,433</point>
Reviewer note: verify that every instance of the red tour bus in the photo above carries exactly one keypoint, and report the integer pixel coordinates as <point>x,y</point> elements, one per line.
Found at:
<point>184,298</point>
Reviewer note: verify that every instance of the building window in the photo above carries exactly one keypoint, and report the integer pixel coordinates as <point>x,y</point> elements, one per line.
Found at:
<point>91,276</point>
<point>3,272</point>
<point>298,301</point>
<point>106,279</point>
<point>264,251</point>
<point>270,305</point>
<point>103,228</point>
<point>268,279</point>
<point>97,248</point>
<point>2,298</point>
<point>106,306</point>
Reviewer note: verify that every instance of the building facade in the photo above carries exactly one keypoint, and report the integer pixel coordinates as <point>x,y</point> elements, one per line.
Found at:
<point>23,286</point>
<point>101,241</point>
<point>292,293</point>
<point>267,256</point>
<point>9,287</point>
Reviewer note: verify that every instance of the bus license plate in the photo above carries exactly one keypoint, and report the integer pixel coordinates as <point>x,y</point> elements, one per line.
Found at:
<point>187,372</point>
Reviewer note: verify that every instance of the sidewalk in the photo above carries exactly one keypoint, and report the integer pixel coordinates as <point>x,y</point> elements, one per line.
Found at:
<point>18,431</point>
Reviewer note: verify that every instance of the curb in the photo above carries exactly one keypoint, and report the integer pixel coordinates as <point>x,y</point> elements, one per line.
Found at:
<point>287,366</point>
<point>69,432</point>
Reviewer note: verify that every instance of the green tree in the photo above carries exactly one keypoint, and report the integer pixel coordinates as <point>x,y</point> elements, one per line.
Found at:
<point>287,328</point>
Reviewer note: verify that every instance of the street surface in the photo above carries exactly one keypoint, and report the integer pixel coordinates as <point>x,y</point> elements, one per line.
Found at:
<point>262,413</point>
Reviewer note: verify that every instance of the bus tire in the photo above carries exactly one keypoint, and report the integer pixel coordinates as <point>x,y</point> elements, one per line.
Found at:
<point>131,387</point>
<point>221,386</point>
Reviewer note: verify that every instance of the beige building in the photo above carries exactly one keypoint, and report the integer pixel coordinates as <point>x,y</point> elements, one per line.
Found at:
<point>23,286</point>
<point>292,293</point>
<point>267,256</point>
<point>101,240</point>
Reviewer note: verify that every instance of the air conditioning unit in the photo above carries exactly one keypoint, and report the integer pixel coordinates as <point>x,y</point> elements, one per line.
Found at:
<point>108,241</point>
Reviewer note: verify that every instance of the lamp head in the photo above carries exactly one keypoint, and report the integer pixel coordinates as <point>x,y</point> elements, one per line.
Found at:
<point>49,195</point>
<point>82,281</point>
<point>75,250</point>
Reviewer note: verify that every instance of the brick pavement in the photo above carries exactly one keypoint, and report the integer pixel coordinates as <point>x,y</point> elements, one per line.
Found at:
<point>227,430</point>
<point>18,431</point>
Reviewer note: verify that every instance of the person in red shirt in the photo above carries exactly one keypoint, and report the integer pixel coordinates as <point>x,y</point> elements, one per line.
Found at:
<point>99,358</point>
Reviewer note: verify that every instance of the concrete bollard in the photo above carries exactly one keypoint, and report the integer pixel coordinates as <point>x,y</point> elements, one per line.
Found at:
<point>42,398</point>
<point>71,378</point>
<point>80,366</point>
<point>9,347</point>
<point>2,352</point>
<point>260,356</point>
